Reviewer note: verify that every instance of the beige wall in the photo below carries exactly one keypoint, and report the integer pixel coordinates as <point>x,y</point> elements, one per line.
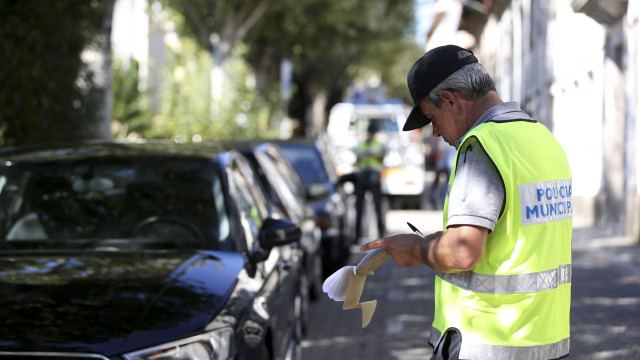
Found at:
<point>561,66</point>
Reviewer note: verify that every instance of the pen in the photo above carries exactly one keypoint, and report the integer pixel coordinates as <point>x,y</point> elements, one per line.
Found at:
<point>414,229</point>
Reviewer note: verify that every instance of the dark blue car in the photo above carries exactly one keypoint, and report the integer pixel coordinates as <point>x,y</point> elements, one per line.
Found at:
<point>333,205</point>
<point>142,251</point>
<point>286,191</point>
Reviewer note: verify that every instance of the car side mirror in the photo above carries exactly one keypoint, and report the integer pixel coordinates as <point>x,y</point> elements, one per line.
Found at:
<point>317,190</point>
<point>276,232</point>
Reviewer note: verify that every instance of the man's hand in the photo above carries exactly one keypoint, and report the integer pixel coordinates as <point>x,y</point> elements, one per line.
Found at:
<point>405,249</point>
<point>459,249</point>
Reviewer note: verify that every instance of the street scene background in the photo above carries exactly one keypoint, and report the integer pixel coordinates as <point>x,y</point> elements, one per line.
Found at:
<point>211,70</point>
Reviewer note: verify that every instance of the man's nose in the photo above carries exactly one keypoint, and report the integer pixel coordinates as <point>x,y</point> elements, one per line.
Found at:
<point>436,131</point>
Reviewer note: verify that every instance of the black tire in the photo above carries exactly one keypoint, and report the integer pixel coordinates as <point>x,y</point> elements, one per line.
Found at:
<point>302,305</point>
<point>315,284</point>
<point>265,353</point>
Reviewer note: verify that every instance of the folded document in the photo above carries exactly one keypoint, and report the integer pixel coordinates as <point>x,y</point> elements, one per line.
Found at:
<point>347,283</point>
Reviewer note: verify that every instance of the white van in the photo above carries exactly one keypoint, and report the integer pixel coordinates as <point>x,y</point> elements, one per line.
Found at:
<point>403,177</point>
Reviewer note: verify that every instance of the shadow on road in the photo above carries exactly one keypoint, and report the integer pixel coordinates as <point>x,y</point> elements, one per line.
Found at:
<point>398,330</point>
<point>605,307</point>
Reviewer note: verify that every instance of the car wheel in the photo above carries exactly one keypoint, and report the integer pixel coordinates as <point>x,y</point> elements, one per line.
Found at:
<point>347,239</point>
<point>315,286</point>
<point>301,308</point>
<point>294,352</point>
<point>264,352</point>
<point>331,265</point>
<point>297,353</point>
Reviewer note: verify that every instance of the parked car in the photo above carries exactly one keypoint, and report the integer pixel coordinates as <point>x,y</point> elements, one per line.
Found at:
<point>285,190</point>
<point>333,204</point>
<point>147,250</point>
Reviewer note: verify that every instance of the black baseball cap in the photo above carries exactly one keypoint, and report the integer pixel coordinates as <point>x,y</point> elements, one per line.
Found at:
<point>430,70</point>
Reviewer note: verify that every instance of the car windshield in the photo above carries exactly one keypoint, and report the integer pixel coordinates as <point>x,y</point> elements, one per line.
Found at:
<point>155,203</point>
<point>384,123</point>
<point>307,162</point>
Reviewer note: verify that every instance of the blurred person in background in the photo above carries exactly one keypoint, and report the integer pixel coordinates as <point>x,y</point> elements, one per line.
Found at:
<point>503,261</point>
<point>370,153</point>
<point>441,160</point>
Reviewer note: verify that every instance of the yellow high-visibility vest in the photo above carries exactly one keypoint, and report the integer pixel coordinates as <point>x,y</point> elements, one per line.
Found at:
<point>514,304</point>
<point>370,162</point>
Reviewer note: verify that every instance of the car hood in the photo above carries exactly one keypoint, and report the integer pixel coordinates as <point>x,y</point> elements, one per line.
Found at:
<point>109,302</point>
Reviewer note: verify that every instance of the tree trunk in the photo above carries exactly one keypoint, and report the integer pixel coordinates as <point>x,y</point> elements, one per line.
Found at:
<point>103,72</point>
<point>318,114</point>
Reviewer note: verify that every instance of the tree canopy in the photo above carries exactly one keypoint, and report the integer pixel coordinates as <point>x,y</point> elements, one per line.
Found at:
<point>49,92</point>
<point>332,44</point>
<point>47,89</point>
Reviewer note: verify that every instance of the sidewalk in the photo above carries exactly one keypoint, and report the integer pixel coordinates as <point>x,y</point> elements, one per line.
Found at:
<point>605,307</point>
<point>606,242</point>
<point>605,312</point>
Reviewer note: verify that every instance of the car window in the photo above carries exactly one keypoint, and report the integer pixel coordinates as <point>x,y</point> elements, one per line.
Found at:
<point>223,224</point>
<point>288,173</point>
<point>360,123</point>
<point>112,199</point>
<point>284,191</point>
<point>307,162</point>
<point>327,160</point>
<point>250,199</point>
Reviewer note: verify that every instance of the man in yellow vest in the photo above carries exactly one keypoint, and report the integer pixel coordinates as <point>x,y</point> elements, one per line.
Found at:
<point>503,260</point>
<point>370,154</point>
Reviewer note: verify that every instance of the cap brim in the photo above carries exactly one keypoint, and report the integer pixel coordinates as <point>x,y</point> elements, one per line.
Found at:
<point>415,120</point>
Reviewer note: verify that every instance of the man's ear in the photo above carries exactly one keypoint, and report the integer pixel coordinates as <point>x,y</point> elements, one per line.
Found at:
<point>450,98</point>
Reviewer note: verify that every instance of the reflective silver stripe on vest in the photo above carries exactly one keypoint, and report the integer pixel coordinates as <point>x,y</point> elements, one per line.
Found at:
<point>510,284</point>
<point>498,352</point>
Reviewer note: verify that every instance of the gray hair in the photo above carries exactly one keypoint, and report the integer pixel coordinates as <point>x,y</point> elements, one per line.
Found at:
<point>471,82</point>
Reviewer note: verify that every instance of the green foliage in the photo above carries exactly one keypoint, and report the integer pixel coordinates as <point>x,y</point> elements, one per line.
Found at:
<point>131,113</point>
<point>47,92</point>
<point>391,61</point>
<point>241,112</point>
<point>187,112</point>
<point>184,99</point>
<point>219,27</point>
<point>332,43</point>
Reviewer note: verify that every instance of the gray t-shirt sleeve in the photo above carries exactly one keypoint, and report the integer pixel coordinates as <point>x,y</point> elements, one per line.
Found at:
<point>477,194</point>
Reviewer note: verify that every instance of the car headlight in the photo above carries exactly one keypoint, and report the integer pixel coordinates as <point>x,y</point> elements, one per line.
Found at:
<point>213,345</point>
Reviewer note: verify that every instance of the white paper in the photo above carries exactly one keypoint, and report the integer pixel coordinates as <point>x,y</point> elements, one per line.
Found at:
<point>368,256</point>
<point>336,285</point>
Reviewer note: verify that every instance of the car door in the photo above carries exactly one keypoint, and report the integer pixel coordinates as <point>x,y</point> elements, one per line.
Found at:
<point>278,280</point>
<point>291,186</point>
<point>290,191</point>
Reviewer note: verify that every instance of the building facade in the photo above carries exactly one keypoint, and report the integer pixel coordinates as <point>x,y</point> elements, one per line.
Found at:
<point>574,66</point>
